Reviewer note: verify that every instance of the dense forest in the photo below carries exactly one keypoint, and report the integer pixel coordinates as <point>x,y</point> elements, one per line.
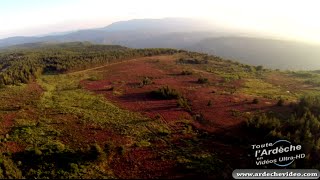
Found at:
<point>21,63</point>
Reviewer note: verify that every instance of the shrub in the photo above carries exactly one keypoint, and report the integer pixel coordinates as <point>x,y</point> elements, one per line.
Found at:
<point>96,151</point>
<point>158,116</point>
<point>166,93</point>
<point>236,113</point>
<point>259,68</point>
<point>264,122</point>
<point>146,81</point>
<point>192,61</point>
<point>203,80</point>
<point>8,169</point>
<point>204,164</point>
<point>93,78</point>
<point>121,150</point>
<point>280,102</point>
<point>311,103</point>
<point>109,88</point>
<point>186,72</point>
<point>143,143</point>
<point>200,118</point>
<point>74,167</point>
<point>162,131</point>
<point>255,101</point>
<point>183,103</point>
<point>37,152</point>
<point>109,148</point>
<point>56,146</point>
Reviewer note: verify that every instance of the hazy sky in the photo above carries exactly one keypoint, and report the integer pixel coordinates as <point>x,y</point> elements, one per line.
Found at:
<point>287,18</point>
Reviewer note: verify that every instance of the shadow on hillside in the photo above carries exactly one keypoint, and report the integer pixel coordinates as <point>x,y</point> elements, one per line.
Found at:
<point>230,147</point>
<point>232,144</point>
<point>134,97</point>
<point>167,107</point>
<point>51,160</point>
<point>141,96</point>
<point>134,84</point>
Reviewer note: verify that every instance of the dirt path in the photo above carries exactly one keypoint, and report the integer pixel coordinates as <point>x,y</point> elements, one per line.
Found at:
<point>116,63</point>
<point>99,67</point>
<point>201,71</point>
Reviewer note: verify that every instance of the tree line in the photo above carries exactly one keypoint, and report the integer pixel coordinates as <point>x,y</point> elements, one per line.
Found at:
<point>20,65</point>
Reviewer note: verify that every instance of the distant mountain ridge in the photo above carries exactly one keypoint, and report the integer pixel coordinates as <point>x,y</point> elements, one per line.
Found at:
<point>191,34</point>
<point>131,27</point>
<point>164,25</point>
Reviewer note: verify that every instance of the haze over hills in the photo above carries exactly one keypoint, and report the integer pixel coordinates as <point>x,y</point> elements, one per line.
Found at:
<point>276,54</point>
<point>120,32</point>
<point>160,25</point>
<point>195,35</point>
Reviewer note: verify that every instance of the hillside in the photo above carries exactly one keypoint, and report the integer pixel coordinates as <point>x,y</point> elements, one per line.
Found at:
<point>79,110</point>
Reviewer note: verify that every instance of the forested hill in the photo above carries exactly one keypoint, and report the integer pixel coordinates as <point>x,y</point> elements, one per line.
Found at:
<point>19,64</point>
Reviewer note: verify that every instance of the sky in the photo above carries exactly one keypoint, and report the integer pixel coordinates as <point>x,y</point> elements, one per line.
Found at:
<point>296,19</point>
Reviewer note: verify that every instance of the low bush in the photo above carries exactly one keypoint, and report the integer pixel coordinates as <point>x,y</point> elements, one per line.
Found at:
<point>259,68</point>
<point>109,148</point>
<point>264,122</point>
<point>93,78</point>
<point>146,81</point>
<point>203,80</point>
<point>192,61</point>
<point>8,169</point>
<point>162,131</point>
<point>200,118</point>
<point>280,102</point>
<point>186,72</point>
<point>183,103</point>
<point>166,93</point>
<point>142,143</point>
<point>121,150</point>
<point>97,152</point>
<point>255,101</point>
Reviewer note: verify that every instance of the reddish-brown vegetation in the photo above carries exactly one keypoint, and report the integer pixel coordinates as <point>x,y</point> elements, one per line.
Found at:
<point>125,79</point>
